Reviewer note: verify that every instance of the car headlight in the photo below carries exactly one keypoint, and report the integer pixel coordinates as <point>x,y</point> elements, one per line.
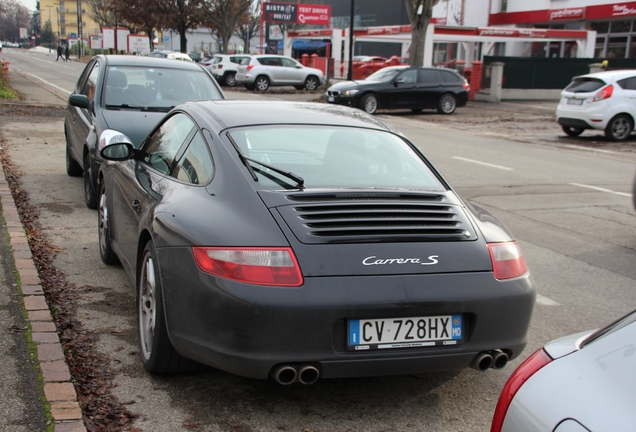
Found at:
<point>350,92</point>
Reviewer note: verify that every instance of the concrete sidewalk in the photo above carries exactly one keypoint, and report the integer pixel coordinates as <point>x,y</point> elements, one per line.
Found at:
<point>39,394</point>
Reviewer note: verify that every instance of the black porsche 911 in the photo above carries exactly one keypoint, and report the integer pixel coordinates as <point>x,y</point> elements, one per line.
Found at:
<point>305,241</point>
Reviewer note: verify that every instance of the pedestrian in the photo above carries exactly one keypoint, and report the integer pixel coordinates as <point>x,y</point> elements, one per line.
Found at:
<point>59,53</point>
<point>66,53</point>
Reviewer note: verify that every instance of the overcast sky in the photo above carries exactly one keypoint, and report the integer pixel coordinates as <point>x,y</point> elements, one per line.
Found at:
<point>30,4</point>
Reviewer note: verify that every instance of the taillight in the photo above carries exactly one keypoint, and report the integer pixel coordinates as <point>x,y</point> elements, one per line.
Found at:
<point>507,260</point>
<point>466,85</point>
<point>220,67</point>
<point>522,374</point>
<point>249,67</point>
<point>260,266</point>
<point>604,93</point>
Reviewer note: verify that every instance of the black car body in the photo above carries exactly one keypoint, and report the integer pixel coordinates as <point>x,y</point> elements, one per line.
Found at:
<point>293,239</point>
<point>400,87</point>
<point>130,94</point>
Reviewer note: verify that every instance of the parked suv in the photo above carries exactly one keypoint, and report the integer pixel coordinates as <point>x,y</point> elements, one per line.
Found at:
<point>262,71</point>
<point>603,100</point>
<point>225,66</point>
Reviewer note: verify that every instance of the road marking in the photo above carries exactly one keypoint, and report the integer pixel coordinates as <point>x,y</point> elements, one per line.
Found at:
<point>483,163</point>
<point>44,81</point>
<point>576,147</point>
<point>602,189</point>
<point>542,300</point>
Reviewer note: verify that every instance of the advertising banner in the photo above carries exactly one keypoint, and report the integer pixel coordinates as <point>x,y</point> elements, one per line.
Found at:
<point>287,13</point>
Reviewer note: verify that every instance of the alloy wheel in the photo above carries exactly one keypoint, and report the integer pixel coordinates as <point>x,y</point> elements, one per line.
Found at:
<point>147,307</point>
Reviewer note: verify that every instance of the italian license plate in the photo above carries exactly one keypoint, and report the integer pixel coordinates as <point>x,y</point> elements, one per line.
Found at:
<point>331,98</point>
<point>405,332</point>
<point>575,101</point>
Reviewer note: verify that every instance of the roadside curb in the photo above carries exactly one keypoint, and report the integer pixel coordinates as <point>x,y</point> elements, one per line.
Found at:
<point>59,390</point>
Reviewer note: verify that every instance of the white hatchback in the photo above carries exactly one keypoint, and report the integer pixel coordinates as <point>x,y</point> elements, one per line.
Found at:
<point>603,100</point>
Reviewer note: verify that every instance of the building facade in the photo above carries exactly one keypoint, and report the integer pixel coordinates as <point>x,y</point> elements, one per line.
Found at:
<point>65,16</point>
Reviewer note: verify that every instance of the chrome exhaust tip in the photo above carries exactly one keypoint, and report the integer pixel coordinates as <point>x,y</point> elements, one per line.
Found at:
<point>307,374</point>
<point>499,359</point>
<point>482,362</point>
<point>284,374</point>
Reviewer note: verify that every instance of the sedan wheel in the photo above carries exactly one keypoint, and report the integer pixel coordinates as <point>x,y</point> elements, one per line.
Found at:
<point>261,83</point>
<point>105,250</point>
<point>230,79</point>
<point>573,132</point>
<point>311,83</point>
<point>619,128</point>
<point>90,195</point>
<point>447,104</point>
<point>157,353</point>
<point>369,103</point>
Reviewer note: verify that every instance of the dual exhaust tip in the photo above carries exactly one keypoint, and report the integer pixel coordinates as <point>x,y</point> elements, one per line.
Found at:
<point>286,374</point>
<point>496,359</point>
<point>307,374</point>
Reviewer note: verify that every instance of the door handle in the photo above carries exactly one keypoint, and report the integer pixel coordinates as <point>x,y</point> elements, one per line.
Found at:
<point>136,205</point>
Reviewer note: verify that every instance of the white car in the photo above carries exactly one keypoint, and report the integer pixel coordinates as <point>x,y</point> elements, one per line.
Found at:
<point>579,383</point>
<point>174,55</point>
<point>225,66</point>
<point>603,100</point>
<point>262,71</point>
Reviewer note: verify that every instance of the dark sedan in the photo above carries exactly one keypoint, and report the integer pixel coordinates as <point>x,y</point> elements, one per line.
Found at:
<point>130,94</point>
<point>299,241</point>
<point>400,87</point>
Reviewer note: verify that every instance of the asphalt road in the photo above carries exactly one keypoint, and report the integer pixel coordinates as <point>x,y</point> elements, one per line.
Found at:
<point>569,206</point>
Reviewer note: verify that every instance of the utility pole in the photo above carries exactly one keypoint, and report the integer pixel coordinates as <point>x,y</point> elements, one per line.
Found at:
<point>351,17</point>
<point>79,29</point>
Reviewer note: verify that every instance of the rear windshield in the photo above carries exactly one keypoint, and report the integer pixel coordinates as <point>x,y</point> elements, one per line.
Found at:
<point>585,85</point>
<point>335,157</point>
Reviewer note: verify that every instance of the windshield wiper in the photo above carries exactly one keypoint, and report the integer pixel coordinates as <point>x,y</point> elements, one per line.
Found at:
<point>141,107</point>
<point>300,182</point>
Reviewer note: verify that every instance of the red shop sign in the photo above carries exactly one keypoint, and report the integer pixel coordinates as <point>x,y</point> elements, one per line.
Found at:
<point>615,10</point>
<point>314,14</point>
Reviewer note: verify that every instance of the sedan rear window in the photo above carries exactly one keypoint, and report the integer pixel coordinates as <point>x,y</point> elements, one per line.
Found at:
<point>585,85</point>
<point>334,157</point>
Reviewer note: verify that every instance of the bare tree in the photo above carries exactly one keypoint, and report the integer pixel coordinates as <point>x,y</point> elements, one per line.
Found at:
<point>13,15</point>
<point>420,13</point>
<point>249,25</point>
<point>222,17</point>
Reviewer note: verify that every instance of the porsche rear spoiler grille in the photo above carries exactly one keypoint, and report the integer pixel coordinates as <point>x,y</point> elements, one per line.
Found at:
<point>356,219</point>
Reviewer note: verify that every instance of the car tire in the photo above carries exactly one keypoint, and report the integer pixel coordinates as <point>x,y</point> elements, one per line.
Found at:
<point>572,131</point>
<point>90,194</point>
<point>369,103</point>
<point>106,252</point>
<point>261,83</point>
<point>311,83</point>
<point>447,104</point>
<point>619,128</point>
<point>229,79</point>
<point>157,353</point>
<point>73,168</point>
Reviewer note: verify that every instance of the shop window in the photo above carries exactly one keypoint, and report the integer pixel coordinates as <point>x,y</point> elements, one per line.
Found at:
<point>620,26</point>
<point>600,27</point>
<point>617,47</point>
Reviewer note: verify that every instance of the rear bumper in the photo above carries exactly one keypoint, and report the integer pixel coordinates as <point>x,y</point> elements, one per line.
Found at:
<point>247,330</point>
<point>574,123</point>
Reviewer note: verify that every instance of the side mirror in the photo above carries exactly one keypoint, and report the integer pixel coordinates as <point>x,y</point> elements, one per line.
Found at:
<point>299,66</point>
<point>78,100</point>
<point>114,145</point>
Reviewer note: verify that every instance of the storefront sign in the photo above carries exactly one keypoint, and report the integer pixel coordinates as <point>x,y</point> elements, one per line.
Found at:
<point>314,14</point>
<point>567,14</point>
<point>281,12</point>
<point>616,10</point>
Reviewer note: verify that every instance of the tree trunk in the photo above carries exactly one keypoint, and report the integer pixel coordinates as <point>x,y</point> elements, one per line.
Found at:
<point>183,40</point>
<point>418,36</point>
